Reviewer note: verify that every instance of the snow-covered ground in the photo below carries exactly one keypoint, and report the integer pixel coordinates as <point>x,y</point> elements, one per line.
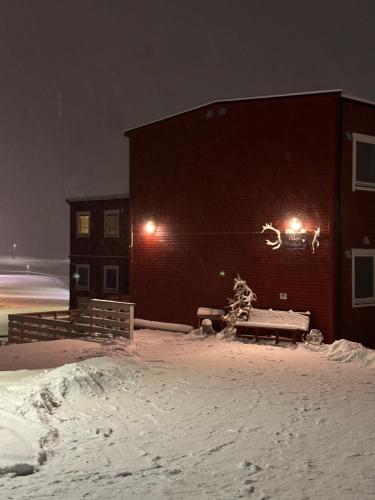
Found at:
<point>172,416</point>
<point>23,263</point>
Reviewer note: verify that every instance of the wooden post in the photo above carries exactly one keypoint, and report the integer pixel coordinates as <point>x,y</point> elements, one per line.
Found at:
<point>131,321</point>
<point>90,311</point>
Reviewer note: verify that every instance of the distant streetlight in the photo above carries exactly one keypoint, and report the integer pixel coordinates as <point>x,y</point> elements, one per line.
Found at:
<point>14,246</point>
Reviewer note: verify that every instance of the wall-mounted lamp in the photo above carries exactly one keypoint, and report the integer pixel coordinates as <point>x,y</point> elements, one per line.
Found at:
<point>150,227</point>
<point>76,277</point>
<point>295,236</point>
<point>295,226</point>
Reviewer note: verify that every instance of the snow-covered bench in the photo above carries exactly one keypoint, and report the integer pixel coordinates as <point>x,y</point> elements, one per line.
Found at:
<point>264,323</point>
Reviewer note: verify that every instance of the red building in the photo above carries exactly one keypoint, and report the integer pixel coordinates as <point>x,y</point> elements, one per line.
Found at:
<point>211,177</point>
<point>99,248</point>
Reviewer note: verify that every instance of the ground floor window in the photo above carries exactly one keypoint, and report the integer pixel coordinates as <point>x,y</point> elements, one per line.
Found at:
<point>363,277</point>
<point>111,278</point>
<point>83,276</point>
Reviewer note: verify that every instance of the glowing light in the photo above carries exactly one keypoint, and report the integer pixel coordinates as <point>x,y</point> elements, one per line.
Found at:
<point>295,225</point>
<point>150,227</point>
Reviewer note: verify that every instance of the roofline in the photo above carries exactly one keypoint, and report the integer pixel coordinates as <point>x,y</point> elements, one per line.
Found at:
<point>211,103</point>
<point>98,198</point>
<point>358,99</point>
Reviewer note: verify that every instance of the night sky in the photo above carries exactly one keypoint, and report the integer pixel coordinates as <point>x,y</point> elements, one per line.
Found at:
<point>75,74</point>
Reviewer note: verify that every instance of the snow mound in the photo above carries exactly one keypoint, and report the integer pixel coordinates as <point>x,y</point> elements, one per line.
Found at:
<point>348,352</point>
<point>92,378</point>
<point>28,404</point>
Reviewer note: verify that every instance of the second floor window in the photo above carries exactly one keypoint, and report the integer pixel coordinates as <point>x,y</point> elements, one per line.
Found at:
<point>83,224</point>
<point>363,162</point>
<point>111,223</point>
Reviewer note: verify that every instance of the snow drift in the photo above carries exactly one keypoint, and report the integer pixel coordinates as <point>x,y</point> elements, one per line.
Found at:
<point>348,352</point>
<point>29,401</point>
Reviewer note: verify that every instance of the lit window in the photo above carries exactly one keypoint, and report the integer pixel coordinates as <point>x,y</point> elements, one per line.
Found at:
<point>111,223</point>
<point>363,276</point>
<point>111,274</point>
<point>83,276</point>
<point>363,162</point>
<point>83,224</point>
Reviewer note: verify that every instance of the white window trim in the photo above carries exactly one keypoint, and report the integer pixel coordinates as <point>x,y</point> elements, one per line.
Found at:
<point>111,212</point>
<point>362,252</point>
<point>111,290</point>
<point>78,234</point>
<point>358,185</point>
<point>86,266</point>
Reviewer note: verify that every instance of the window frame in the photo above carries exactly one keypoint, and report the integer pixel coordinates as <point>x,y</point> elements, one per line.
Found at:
<point>85,266</point>
<point>78,226</point>
<point>111,212</point>
<point>368,301</point>
<point>360,185</point>
<point>111,267</point>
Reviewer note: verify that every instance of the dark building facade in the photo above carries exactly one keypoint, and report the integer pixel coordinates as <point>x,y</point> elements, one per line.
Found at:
<point>210,178</point>
<point>99,248</point>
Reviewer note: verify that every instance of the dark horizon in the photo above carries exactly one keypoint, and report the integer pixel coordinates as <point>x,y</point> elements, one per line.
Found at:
<point>75,75</point>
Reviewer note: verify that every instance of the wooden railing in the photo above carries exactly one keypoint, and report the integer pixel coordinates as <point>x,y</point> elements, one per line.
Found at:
<point>99,319</point>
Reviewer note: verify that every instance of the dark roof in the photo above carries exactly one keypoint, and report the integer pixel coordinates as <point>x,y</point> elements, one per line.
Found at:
<point>270,96</point>
<point>98,198</point>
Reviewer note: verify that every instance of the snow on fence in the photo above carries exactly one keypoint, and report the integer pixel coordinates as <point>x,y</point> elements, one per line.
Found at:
<point>99,319</point>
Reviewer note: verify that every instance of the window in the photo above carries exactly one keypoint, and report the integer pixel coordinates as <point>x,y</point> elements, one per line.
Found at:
<point>83,276</point>
<point>363,277</point>
<point>363,162</point>
<point>83,224</point>
<point>111,223</point>
<point>111,278</point>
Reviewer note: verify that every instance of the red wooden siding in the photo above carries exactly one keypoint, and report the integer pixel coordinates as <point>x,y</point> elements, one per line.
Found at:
<point>358,221</point>
<point>211,183</point>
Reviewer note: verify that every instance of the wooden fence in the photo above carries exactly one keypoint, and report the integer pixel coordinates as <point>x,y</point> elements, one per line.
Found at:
<point>99,319</point>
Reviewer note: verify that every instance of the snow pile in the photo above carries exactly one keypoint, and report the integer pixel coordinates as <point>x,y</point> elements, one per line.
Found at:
<point>28,402</point>
<point>348,352</point>
<point>89,378</point>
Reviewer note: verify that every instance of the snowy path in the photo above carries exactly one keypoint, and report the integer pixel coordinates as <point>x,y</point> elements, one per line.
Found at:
<point>176,418</point>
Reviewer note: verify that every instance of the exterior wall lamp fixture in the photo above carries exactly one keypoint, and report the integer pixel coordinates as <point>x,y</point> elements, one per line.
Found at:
<point>295,236</point>
<point>150,227</point>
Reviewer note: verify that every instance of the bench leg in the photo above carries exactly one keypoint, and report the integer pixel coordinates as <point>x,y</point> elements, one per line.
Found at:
<point>276,337</point>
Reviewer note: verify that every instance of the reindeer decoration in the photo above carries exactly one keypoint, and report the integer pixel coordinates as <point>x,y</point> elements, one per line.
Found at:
<point>274,244</point>
<point>278,242</point>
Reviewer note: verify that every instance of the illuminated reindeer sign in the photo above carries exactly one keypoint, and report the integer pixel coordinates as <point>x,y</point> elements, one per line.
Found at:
<point>296,236</point>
